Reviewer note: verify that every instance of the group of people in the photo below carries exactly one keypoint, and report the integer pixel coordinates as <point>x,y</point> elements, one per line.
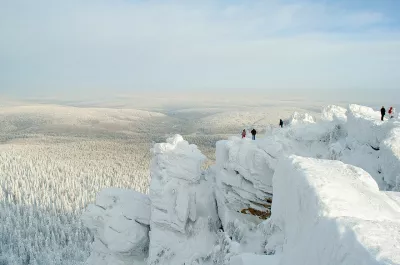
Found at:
<point>390,112</point>
<point>254,132</point>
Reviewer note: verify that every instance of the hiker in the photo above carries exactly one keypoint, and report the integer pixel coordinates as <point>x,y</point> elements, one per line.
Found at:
<point>391,112</point>
<point>243,133</point>
<point>253,133</point>
<point>383,112</point>
<point>281,123</point>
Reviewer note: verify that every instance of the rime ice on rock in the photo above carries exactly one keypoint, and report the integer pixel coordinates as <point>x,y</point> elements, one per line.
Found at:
<point>119,221</point>
<point>298,118</point>
<point>243,179</point>
<point>183,209</point>
<point>323,210</point>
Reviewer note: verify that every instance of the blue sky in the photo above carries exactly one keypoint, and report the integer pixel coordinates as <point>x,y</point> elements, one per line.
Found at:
<point>93,47</point>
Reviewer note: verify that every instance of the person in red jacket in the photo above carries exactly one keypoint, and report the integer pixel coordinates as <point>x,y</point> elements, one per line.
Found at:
<point>244,133</point>
<point>390,112</point>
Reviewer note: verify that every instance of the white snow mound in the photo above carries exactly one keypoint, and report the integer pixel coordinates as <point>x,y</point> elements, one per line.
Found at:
<point>333,213</point>
<point>120,222</point>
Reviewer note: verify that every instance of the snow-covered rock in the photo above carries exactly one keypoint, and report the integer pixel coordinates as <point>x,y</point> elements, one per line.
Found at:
<point>119,221</point>
<point>323,211</point>
<point>364,125</point>
<point>332,113</point>
<point>333,213</point>
<point>184,217</point>
<point>390,159</point>
<point>243,179</point>
<point>301,118</point>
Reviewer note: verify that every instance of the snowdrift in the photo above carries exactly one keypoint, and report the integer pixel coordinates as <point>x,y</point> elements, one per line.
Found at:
<point>331,181</point>
<point>335,214</point>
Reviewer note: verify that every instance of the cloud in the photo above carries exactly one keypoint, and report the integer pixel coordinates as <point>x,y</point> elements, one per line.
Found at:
<point>51,47</point>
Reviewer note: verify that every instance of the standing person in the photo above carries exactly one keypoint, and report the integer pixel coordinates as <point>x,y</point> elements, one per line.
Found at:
<point>243,133</point>
<point>383,112</point>
<point>253,133</point>
<point>390,112</point>
<point>281,123</point>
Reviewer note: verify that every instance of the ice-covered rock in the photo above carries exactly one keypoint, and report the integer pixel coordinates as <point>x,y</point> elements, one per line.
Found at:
<point>184,217</point>
<point>119,221</point>
<point>355,136</point>
<point>334,113</point>
<point>390,160</point>
<point>323,211</point>
<point>243,179</point>
<point>301,118</point>
<point>333,213</point>
<point>364,125</point>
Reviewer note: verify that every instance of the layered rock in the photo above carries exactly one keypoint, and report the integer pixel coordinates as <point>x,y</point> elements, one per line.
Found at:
<point>243,175</point>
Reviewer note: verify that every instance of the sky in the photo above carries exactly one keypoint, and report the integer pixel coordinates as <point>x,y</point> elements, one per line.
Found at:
<point>74,48</point>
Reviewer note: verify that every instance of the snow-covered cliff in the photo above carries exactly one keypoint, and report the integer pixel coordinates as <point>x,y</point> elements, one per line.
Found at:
<point>325,180</point>
<point>183,219</point>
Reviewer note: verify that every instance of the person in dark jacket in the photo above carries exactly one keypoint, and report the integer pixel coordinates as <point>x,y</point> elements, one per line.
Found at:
<point>383,112</point>
<point>281,123</point>
<point>253,134</point>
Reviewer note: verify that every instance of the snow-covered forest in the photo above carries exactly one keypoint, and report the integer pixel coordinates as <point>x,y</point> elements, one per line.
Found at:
<point>55,159</point>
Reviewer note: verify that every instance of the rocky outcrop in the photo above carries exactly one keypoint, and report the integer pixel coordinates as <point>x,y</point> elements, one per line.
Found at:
<point>119,221</point>
<point>183,209</point>
<point>243,175</point>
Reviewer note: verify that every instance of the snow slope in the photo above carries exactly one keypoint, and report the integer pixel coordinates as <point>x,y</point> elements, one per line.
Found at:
<point>328,178</point>
<point>335,214</point>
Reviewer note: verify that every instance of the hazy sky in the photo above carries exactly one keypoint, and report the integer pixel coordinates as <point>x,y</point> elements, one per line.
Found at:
<point>76,47</point>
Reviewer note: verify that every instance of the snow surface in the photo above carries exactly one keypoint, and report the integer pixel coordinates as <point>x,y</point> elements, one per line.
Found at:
<point>333,182</point>
<point>335,214</point>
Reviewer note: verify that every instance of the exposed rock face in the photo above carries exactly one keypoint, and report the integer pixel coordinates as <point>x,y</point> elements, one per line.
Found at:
<point>183,208</point>
<point>119,221</point>
<point>243,175</point>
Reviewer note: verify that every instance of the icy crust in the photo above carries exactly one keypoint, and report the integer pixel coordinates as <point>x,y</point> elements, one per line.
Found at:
<point>119,221</point>
<point>243,179</point>
<point>184,218</point>
<point>333,213</point>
